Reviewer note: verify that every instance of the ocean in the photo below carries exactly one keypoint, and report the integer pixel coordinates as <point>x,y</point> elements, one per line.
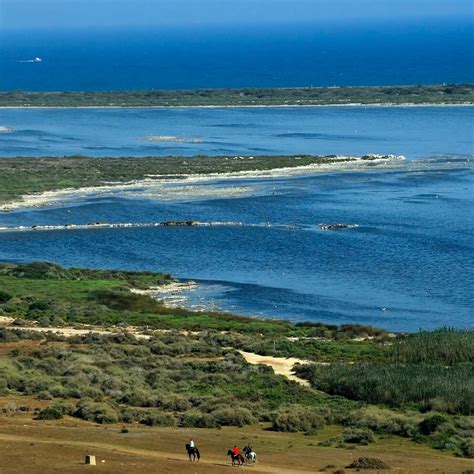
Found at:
<point>407,265</point>
<point>328,54</point>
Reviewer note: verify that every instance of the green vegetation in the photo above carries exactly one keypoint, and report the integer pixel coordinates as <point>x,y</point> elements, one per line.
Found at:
<point>20,176</point>
<point>51,294</point>
<point>445,346</point>
<point>419,94</point>
<point>170,379</point>
<point>448,389</point>
<point>414,386</point>
<point>434,371</point>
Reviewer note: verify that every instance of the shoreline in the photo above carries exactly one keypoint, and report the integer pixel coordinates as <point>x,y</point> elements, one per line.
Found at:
<point>262,106</point>
<point>36,200</point>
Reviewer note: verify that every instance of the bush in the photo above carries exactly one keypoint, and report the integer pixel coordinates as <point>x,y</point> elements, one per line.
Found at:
<point>467,448</point>
<point>233,416</point>
<point>296,418</point>
<point>384,421</point>
<point>44,395</point>
<point>358,436</point>
<point>156,418</point>
<point>55,411</point>
<point>4,297</point>
<point>430,425</point>
<point>368,463</point>
<point>98,412</point>
<point>195,419</point>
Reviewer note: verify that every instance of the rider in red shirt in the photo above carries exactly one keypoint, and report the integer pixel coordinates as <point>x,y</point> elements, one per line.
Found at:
<point>236,451</point>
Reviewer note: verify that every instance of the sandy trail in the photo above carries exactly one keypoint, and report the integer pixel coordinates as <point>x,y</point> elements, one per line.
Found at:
<point>280,365</point>
<point>71,332</point>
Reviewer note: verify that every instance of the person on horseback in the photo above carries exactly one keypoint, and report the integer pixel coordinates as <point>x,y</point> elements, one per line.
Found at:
<point>193,451</point>
<point>250,454</point>
<point>236,457</point>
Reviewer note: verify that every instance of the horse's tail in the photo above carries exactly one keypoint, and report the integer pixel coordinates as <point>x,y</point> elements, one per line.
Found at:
<point>198,454</point>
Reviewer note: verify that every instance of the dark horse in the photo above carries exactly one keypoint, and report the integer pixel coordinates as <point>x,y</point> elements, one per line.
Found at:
<point>193,453</point>
<point>236,459</point>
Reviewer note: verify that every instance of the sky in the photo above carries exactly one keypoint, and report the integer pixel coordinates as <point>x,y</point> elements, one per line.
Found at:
<point>24,14</point>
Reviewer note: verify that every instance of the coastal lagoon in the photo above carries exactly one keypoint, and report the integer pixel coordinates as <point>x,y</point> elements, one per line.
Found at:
<point>411,131</point>
<point>408,264</point>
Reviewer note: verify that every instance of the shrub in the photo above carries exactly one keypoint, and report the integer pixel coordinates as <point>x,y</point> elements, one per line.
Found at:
<point>98,412</point>
<point>384,421</point>
<point>430,425</point>
<point>297,418</point>
<point>44,395</point>
<point>368,463</point>
<point>55,411</point>
<point>156,418</point>
<point>233,416</point>
<point>358,436</point>
<point>195,419</point>
<point>467,448</point>
<point>4,297</point>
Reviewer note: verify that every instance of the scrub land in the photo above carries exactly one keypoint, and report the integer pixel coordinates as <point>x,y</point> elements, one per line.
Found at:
<point>450,94</point>
<point>24,176</point>
<point>80,351</point>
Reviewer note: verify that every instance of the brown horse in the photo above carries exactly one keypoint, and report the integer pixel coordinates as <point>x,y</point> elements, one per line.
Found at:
<point>236,459</point>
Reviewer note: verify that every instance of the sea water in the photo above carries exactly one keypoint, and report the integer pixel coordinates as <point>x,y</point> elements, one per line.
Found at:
<point>330,53</point>
<point>408,264</point>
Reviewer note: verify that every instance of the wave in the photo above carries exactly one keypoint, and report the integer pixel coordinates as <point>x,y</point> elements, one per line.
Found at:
<point>135,225</point>
<point>171,139</point>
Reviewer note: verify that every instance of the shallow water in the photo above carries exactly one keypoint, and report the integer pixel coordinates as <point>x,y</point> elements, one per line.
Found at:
<point>414,132</point>
<point>408,265</point>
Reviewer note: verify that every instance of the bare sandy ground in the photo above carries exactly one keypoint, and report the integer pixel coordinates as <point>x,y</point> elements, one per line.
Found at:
<point>28,447</point>
<point>280,365</point>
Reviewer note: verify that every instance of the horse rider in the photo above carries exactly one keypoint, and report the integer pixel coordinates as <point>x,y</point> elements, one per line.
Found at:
<point>191,444</point>
<point>236,451</point>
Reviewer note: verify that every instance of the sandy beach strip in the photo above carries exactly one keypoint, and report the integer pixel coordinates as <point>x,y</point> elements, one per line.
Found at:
<point>243,106</point>
<point>179,187</point>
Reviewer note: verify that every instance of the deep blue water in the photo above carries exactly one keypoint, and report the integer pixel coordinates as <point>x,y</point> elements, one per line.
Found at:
<point>408,265</point>
<point>339,53</point>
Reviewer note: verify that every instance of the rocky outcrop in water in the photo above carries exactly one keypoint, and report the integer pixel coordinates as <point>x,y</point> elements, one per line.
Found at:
<point>337,226</point>
<point>179,223</point>
<point>372,156</point>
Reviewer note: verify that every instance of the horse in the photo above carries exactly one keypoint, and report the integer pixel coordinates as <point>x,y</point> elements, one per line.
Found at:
<point>193,453</point>
<point>236,459</point>
<point>250,455</point>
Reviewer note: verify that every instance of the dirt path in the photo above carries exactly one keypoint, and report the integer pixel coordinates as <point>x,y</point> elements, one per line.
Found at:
<point>280,365</point>
<point>210,462</point>
<point>71,332</point>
